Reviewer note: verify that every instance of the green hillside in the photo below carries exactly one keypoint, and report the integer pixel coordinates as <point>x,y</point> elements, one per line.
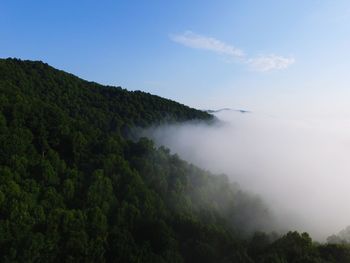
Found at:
<point>76,185</point>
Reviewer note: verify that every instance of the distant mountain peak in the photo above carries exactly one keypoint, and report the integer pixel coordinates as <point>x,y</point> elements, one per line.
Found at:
<point>228,109</point>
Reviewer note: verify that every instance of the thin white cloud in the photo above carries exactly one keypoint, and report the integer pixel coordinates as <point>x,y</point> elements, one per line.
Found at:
<point>262,63</point>
<point>265,63</point>
<point>193,40</point>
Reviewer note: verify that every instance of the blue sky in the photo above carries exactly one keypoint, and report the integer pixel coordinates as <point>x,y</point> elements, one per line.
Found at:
<point>287,56</point>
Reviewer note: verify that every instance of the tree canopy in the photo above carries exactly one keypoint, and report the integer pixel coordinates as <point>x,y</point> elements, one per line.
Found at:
<point>77,185</point>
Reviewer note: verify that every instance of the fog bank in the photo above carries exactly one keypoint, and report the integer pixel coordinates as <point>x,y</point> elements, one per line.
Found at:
<point>300,168</point>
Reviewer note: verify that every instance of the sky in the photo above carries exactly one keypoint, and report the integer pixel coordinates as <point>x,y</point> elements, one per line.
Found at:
<point>275,57</point>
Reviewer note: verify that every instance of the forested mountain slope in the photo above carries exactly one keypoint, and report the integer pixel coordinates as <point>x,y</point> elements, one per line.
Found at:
<point>76,187</point>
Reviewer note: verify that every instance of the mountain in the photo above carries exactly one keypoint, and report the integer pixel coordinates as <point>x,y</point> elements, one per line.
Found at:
<point>77,184</point>
<point>227,109</point>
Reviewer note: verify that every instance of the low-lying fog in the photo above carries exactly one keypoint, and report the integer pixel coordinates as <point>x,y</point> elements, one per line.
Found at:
<point>300,168</point>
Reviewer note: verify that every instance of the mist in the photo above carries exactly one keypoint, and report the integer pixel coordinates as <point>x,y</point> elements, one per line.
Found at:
<point>300,168</point>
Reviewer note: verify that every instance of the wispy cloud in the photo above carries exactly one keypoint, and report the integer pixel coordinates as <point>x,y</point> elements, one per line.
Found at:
<point>261,63</point>
<point>193,40</point>
<point>270,62</point>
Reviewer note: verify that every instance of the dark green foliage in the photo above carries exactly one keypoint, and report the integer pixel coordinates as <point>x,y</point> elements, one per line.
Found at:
<point>75,185</point>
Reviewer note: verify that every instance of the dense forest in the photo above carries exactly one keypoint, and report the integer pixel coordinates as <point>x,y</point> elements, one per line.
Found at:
<point>78,185</point>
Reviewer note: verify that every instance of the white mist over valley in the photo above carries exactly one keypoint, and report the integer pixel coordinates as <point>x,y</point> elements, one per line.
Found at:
<point>300,168</point>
